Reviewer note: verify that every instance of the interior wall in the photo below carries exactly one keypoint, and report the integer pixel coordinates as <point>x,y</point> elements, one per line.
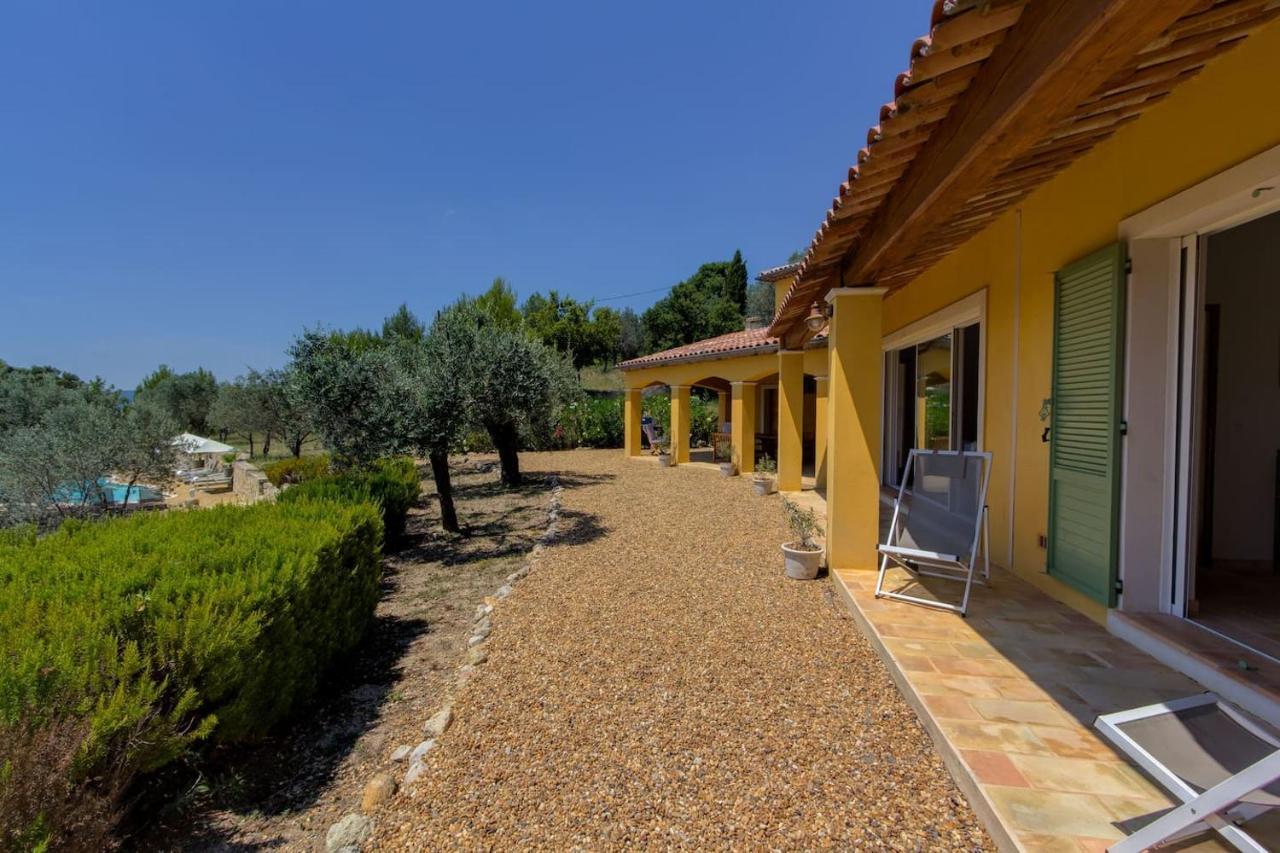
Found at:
<point>1243,278</point>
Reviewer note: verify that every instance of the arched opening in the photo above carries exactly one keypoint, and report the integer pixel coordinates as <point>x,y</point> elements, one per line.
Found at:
<point>710,420</point>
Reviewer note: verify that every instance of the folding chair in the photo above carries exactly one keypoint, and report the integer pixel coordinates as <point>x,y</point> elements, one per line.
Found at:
<point>1221,766</point>
<point>938,518</point>
<point>651,433</point>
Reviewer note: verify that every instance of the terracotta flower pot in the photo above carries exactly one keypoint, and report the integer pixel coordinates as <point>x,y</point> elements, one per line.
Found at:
<point>800,564</point>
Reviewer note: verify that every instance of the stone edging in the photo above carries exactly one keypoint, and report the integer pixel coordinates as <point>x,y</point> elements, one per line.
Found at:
<point>349,833</point>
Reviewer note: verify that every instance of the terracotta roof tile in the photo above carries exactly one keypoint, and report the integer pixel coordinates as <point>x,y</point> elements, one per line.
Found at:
<point>732,345</point>
<point>736,343</point>
<point>942,64</point>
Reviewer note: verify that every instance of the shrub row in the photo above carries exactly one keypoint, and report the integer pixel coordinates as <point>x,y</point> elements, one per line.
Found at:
<point>127,642</point>
<point>598,422</point>
<point>591,422</point>
<point>296,470</point>
<point>392,484</point>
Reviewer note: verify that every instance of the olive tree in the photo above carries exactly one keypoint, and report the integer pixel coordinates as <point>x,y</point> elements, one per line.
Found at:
<point>142,447</point>
<point>351,393</point>
<point>435,379</point>
<point>53,468</point>
<point>404,393</point>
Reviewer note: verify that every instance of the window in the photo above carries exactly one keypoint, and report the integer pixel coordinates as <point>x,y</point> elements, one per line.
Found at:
<point>931,396</point>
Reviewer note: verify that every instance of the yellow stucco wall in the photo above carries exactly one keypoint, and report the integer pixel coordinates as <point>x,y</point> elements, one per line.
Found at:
<point>780,289</point>
<point>1227,114</point>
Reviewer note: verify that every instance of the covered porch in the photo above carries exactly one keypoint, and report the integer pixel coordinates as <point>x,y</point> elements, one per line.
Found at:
<point>767,402</point>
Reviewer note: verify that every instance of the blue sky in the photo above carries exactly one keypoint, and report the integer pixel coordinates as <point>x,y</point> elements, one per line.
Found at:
<point>194,183</point>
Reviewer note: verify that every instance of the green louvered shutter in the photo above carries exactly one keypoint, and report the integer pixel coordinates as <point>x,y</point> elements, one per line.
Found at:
<point>1084,455</point>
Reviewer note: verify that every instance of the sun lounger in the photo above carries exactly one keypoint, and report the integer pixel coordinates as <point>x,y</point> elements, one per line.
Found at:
<point>1222,767</point>
<point>939,523</point>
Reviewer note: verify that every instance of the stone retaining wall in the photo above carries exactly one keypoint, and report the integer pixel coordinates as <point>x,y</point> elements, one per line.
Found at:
<point>249,484</point>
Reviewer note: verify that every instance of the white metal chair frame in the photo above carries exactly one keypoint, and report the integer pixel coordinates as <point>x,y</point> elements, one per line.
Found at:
<point>1219,808</point>
<point>933,563</point>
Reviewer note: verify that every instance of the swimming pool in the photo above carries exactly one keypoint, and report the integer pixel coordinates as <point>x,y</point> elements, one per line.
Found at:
<point>113,491</point>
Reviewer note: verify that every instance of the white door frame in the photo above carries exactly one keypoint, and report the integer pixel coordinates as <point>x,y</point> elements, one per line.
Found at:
<point>1246,191</point>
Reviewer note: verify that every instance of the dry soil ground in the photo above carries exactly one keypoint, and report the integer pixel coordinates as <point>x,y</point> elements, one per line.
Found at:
<point>286,794</point>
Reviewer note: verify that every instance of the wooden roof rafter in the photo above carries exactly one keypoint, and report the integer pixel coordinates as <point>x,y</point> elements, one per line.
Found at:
<point>896,215</point>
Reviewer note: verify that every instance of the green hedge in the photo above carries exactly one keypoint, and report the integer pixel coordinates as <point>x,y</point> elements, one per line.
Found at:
<point>145,635</point>
<point>297,470</point>
<point>591,422</point>
<point>392,484</point>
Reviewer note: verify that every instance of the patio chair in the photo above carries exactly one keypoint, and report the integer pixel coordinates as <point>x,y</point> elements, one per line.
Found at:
<point>1220,765</point>
<point>650,431</point>
<point>939,517</point>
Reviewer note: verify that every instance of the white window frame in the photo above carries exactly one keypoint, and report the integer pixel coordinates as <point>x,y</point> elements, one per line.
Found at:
<point>963,312</point>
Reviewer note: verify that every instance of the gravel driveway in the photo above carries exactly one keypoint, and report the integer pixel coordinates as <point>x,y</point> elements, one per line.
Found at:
<point>657,682</point>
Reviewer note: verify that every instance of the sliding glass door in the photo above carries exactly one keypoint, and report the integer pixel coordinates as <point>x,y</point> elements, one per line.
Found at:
<point>931,397</point>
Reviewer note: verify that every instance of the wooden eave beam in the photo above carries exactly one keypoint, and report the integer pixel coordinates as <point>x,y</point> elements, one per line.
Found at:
<point>1057,55</point>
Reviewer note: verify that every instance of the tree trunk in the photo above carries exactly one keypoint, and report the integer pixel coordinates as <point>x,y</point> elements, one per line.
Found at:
<point>266,443</point>
<point>507,442</point>
<point>250,444</point>
<point>444,490</point>
<point>295,446</point>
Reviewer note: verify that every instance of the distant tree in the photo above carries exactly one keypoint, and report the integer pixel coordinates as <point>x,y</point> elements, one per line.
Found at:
<point>54,468</point>
<point>289,410</point>
<point>760,301</point>
<point>498,303</point>
<point>28,394</point>
<point>606,335</point>
<point>187,397</point>
<point>735,282</point>
<point>796,256</point>
<point>403,325</point>
<point>563,323</point>
<point>258,404</point>
<point>686,315</point>
<point>707,304</point>
<point>142,447</point>
<point>630,335</point>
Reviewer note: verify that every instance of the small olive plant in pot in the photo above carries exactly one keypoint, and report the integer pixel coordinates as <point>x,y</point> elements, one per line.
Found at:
<point>724,452</point>
<point>765,479</point>
<point>802,556</point>
<point>663,446</point>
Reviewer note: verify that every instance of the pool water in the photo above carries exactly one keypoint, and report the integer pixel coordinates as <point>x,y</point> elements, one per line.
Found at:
<point>115,493</point>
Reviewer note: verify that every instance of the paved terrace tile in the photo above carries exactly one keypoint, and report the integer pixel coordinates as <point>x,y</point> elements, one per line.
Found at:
<point>1010,693</point>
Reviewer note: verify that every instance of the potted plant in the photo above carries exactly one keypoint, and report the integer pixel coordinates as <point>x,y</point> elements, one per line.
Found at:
<point>663,445</point>
<point>802,556</point>
<point>764,481</point>
<point>724,452</point>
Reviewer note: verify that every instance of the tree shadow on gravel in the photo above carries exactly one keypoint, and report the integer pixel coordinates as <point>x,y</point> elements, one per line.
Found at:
<point>579,528</point>
<point>295,769</point>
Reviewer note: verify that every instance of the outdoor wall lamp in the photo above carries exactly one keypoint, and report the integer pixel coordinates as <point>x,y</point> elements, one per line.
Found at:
<point>816,318</point>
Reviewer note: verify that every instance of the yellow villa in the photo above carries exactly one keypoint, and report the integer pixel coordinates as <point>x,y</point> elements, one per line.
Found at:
<point>1060,244</point>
